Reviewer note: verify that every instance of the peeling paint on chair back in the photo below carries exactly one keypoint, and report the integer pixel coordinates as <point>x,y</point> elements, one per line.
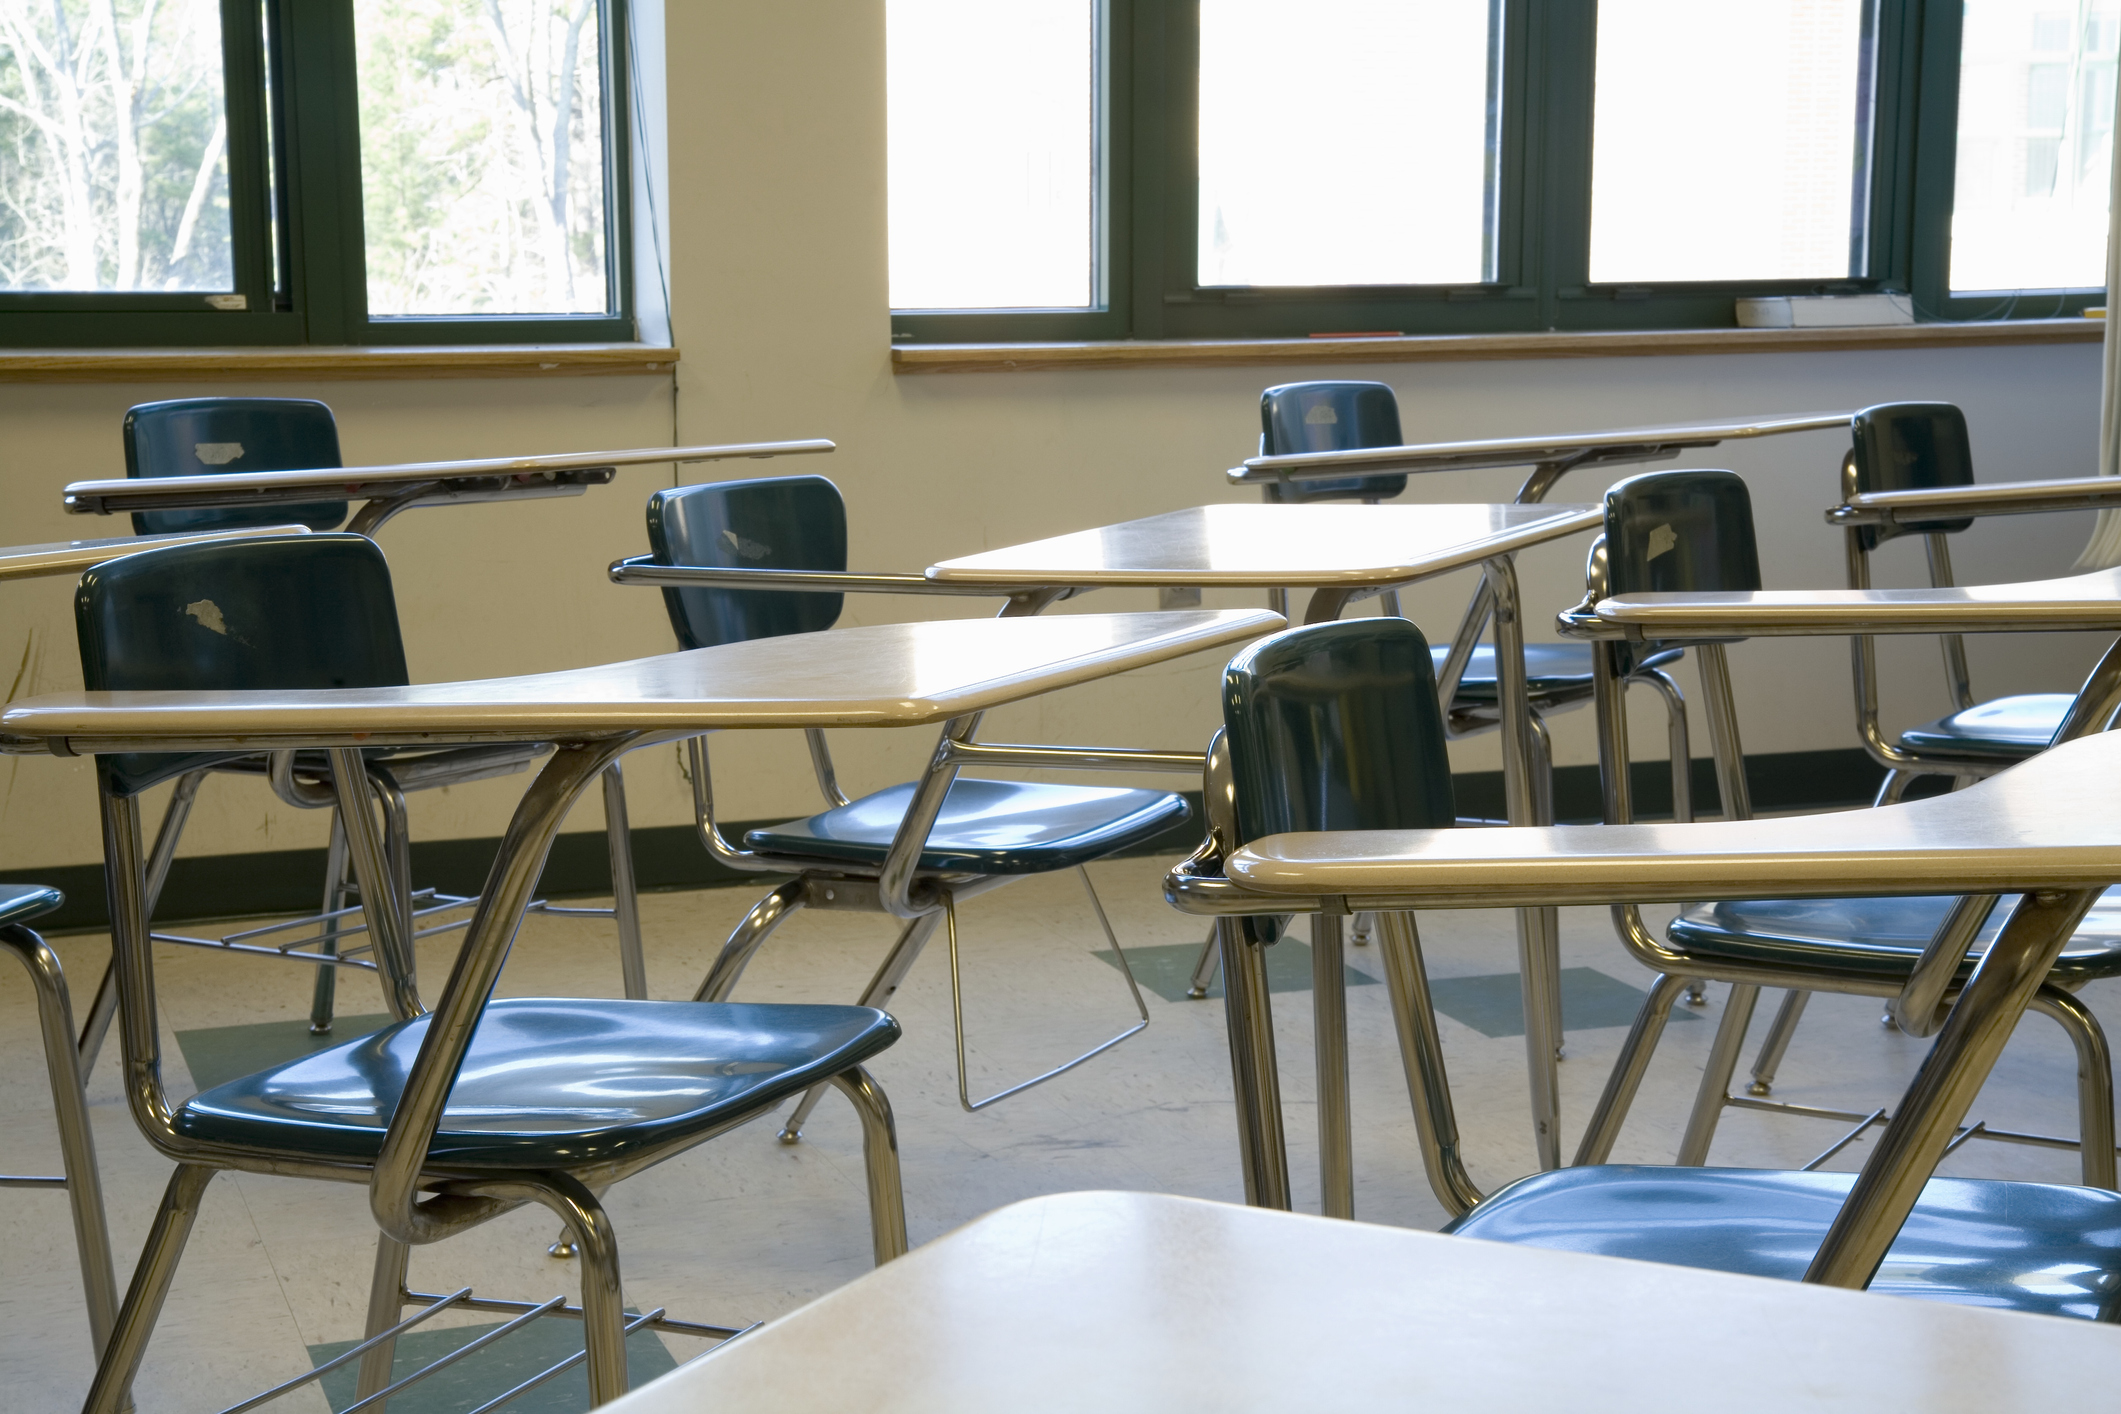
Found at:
<point>205,436</point>
<point>307,611</point>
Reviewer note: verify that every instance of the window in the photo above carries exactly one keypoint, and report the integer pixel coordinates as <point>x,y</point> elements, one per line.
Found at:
<point>312,171</point>
<point>1256,169</point>
<point>2035,143</point>
<point>996,215</point>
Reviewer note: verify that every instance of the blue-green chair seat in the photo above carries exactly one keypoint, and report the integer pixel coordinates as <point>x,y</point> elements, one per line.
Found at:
<point>21,902</point>
<point>986,827</point>
<point>1875,937</point>
<point>550,1083</point>
<point>2009,728</point>
<point>2040,1248</point>
<point>1550,670</point>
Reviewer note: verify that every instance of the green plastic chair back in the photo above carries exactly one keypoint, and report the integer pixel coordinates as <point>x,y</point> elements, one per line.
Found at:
<point>779,523</point>
<point>1911,447</point>
<point>1336,727</point>
<point>1679,532</point>
<point>1330,417</point>
<point>202,436</point>
<point>306,611</point>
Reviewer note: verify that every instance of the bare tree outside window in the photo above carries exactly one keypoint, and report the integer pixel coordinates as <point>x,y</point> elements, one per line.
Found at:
<point>113,146</point>
<point>482,156</point>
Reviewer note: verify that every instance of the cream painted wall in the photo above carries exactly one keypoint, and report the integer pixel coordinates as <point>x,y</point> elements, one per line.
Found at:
<point>776,210</point>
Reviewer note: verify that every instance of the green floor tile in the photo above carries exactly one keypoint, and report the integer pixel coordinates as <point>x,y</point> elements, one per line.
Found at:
<point>216,1055</point>
<point>1494,1006</point>
<point>1168,970</point>
<point>498,1368</point>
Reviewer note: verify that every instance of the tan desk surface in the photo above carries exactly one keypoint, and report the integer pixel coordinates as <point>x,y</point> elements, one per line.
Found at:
<point>881,675</point>
<point>2085,601</point>
<point>1616,445</point>
<point>74,556</point>
<point>521,476</point>
<point>2052,821</point>
<point>1277,546</point>
<point>1122,1302</point>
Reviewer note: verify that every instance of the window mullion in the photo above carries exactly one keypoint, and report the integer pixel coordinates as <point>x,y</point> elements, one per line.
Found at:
<point>324,188</point>
<point>1563,68</point>
<point>250,223</point>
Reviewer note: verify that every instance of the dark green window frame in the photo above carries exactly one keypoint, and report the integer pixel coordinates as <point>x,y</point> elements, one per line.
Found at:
<point>313,290</point>
<point>1149,61</point>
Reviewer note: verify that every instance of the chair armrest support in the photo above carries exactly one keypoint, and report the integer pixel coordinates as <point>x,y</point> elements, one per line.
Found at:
<point>642,569</point>
<point>718,849</point>
<point>2002,498</point>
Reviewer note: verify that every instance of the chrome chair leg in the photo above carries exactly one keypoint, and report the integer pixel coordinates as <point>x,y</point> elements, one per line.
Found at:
<point>1421,1056</point>
<point>1777,1043</point>
<point>897,963</point>
<point>603,1299</point>
<point>386,1302</point>
<point>747,938</point>
<point>1248,1012</point>
<point>1539,952</point>
<point>325,991</point>
<point>105,1006</point>
<point>149,1289</point>
<point>625,899</point>
<point>1329,1010</point>
<point>1362,929</point>
<point>1676,735</point>
<point>887,1201</point>
<point>1893,787</point>
<point>1716,1075</point>
<point>957,1006</point>
<point>1621,1086</point>
<point>1205,966</point>
<point>77,1143</point>
<point>2095,1081</point>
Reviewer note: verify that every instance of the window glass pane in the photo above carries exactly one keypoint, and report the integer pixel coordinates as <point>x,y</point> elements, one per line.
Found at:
<point>1345,142</point>
<point>113,146</point>
<point>2036,131</point>
<point>992,152</point>
<point>1725,140</point>
<point>482,156</point>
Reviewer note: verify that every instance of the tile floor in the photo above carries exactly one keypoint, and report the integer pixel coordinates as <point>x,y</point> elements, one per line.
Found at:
<point>746,1228</point>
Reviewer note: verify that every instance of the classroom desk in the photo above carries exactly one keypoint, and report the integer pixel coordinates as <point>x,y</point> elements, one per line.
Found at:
<point>1341,552</point>
<point>1549,457</point>
<point>71,557</point>
<point>2052,824</point>
<point>881,676</point>
<point>1127,1302</point>
<point>394,488</point>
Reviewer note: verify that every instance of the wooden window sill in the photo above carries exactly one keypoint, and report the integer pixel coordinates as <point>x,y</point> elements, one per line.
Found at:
<point>1448,348</point>
<point>254,364</point>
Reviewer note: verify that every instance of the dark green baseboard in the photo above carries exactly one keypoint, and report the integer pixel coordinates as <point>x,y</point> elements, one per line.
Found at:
<point>670,857</point>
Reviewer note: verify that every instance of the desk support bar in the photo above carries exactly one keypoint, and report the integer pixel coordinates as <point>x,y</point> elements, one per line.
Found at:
<point>1944,1087</point>
<point>1074,758</point>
